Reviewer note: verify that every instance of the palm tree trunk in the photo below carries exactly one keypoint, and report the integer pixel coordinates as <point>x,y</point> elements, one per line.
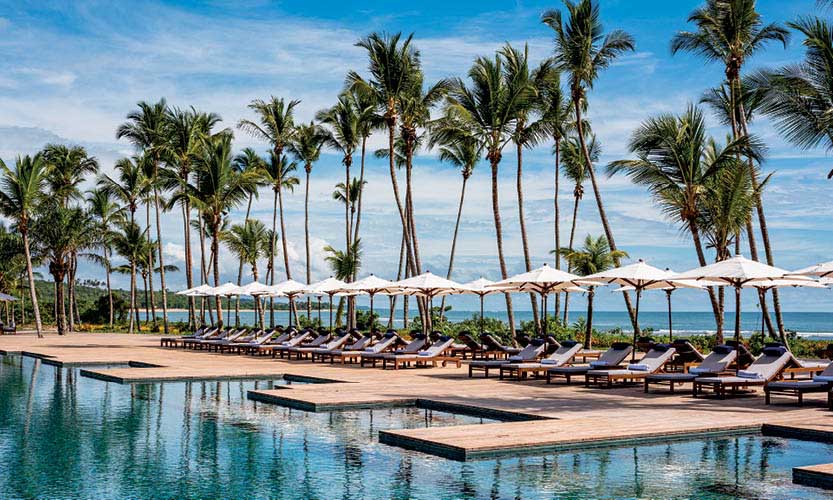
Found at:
<point>240,267</point>
<point>359,198</point>
<point>572,237</point>
<point>557,229</point>
<point>422,303</point>
<point>348,231</point>
<point>109,288</point>
<point>285,248</point>
<point>395,186</point>
<point>271,270</point>
<point>61,317</point>
<point>189,272</point>
<point>588,334</point>
<point>524,240</point>
<point>499,238</point>
<point>701,258</point>
<point>71,290</point>
<point>599,204</point>
<point>454,238</point>
<point>132,294</point>
<point>203,272</point>
<point>392,298</point>
<point>147,301</point>
<point>150,267</point>
<point>215,254</point>
<point>31,275</point>
<point>161,261</point>
<point>306,235</point>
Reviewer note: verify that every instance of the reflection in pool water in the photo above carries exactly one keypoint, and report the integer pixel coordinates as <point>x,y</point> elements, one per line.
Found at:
<point>62,435</point>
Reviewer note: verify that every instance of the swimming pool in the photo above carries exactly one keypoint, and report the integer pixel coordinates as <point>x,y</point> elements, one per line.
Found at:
<point>66,436</point>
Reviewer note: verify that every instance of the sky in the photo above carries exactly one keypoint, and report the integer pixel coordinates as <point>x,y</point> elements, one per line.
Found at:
<point>71,71</point>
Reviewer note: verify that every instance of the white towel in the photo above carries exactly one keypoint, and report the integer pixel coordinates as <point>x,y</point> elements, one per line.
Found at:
<point>515,358</point>
<point>426,353</point>
<point>638,367</point>
<point>369,349</point>
<point>750,375</point>
<point>696,370</point>
<point>549,361</point>
<point>823,378</point>
<point>599,363</point>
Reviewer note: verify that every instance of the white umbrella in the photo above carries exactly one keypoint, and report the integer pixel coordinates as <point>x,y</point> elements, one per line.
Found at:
<point>822,270</point>
<point>791,281</point>
<point>736,272</point>
<point>372,286</point>
<point>197,291</point>
<point>427,285</point>
<point>255,289</point>
<point>328,287</point>
<point>289,289</point>
<point>637,275</point>
<point>480,287</point>
<point>226,290</point>
<point>543,280</point>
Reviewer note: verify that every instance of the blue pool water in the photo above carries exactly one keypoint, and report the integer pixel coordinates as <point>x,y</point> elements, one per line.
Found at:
<point>67,436</point>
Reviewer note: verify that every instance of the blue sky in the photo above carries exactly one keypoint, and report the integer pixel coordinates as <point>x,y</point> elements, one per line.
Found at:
<point>70,71</point>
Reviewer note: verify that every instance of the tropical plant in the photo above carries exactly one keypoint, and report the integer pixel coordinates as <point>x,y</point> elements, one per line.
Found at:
<point>147,129</point>
<point>248,160</point>
<point>129,242</point>
<point>20,194</point>
<point>250,241</point>
<point>344,265</point>
<point>68,167</point>
<point>593,257</point>
<point>582,50</point>
<point>106,213</point>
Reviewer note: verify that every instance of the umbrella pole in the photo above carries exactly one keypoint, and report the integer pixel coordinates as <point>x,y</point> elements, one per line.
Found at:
<point>370,327</point>
<point>319,310</point>
<point>763,321</point>
<point>636,323</point>
<point>331,313</point>
<point>228,311</point>
<point>544,311</point>
<point>737,323</point>
<point>670,322</point>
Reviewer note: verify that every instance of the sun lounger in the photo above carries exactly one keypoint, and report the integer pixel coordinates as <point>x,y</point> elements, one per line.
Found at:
<point>252,340</point>
<point>686,355</point>
<point>492,345</point>
<point>714,364</point>
<point>172,341</point>
<point>280,337</point>
<point>530,353</point>
<point>206,333</point>
<point>323,354</point>
<point>319,341</point>
<point>197,343</point>
<point>333,343</point>
<point>744,357</point>
<point>652,362</point>
<point>468,347</point>
<point>610,359</point>
<point>822,382</point>
<point>236,335</point>
<point>768,367</point>
<point>436,352</point>
<point>563,356</point>
<point>295,341</point>
<point>388,341</point>
<point>413,347</point>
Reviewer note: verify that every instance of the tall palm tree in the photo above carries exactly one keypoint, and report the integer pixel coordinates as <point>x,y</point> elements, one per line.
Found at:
<point>219,188</point>
<point>732,31</point>
<point>185,130</point>
<point>677,160</point>
<point>554,106</point>
<point>68,167</point>
<point>594,257</point>
<point>106,213</point>
<point>279,174</point>
<point>306,148</point>
<point>575,170</point>
<point>392,66</point>
<point>369,120</point>
<point>582,50</point>
<point>147,129</point>
<point>129,241</point>
<point>342,196</point>
<point>250,242</point>
<point>275,125</point>
<point>344,265</point>
<point>20,193</point>
<point>488,107</point>
<point>463,153</point>
<point>58,234</point>
<point>248,160</point>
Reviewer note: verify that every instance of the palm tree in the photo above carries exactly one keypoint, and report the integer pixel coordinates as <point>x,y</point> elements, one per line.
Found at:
<point>129,242</point>
<point>556,115</point>
<point>676,160</point>
<point>68,167</point>
<point>20,193</point>
<point>594,257</point>
<point>248,161</point>
<point>279,174</point>
<point>344,265</point>
<point>185,130</point>
<point>732,31</point>
<point>250,242</point>
<point>306,148</point>
<point>219,188</point>
<point>392,66</point>
<point>575,170</point>
<point>582,50</point>
<point>727,206</point>
<point>58,234</point>
<point>488,108</point>
<point>106,213</point>
<point>147,129</point>
<point>462,151</point>
<point>342,196</point>
<point>368,120</point>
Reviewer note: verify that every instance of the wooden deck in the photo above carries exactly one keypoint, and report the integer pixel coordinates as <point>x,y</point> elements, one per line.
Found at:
<point>565,417</point>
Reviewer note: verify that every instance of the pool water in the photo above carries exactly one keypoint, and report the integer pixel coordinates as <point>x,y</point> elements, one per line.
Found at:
<point>67,436</point>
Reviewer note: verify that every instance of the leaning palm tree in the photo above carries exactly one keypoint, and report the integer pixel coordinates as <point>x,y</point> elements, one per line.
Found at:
<point>250,241</point>
<point>369,120</point>
<point>219,188</point>
<point>106,213</point>
<point>129,241</point>
<point>676,160</point>
<point>594,257</point>
<point>306,148</point>
<point>582,50</point>
<point>20,193</point>
<point>393,64</point>
<point>488,108</point>
<point>730,32</point>
<point>279,174</point>
<point>147,129</point>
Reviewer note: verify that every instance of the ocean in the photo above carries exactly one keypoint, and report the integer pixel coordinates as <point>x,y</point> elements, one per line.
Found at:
<point>814,325</point>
